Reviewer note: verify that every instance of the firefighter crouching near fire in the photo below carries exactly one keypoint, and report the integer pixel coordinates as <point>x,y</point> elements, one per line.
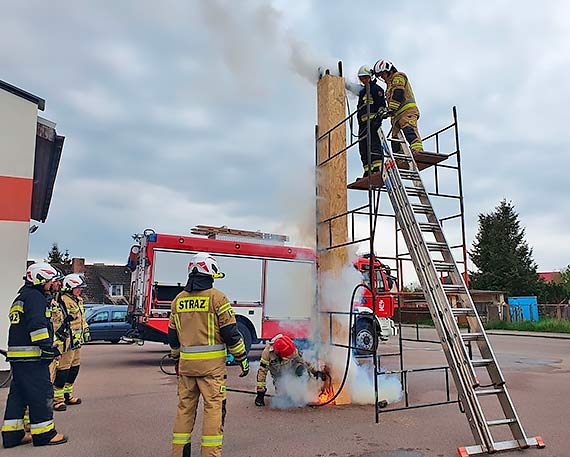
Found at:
<point>68,365</point>
<point>279,357</point>
<point>401,104</point>
<point>202,325</point>
<point>30,351</point>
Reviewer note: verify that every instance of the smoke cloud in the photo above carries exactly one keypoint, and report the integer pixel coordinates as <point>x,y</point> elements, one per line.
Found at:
<point>256,44</point>
<point>335,296</point>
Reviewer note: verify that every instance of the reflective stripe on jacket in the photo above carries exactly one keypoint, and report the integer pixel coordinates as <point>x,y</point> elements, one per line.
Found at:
<point>30,325</point>
<point>277,366</point>
<point>198,317</point>
<point>375,99</point>
<point>399,94</point>
<point>78,324</point>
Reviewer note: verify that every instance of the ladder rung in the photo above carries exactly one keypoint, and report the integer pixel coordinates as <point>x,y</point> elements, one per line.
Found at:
<point>472,336</point>
<point>484,392</point>
<point>402,157</point>
<point>412,175</point>
<point>481,362</point>
<point>415,191</point>
<point>461,311</point>
<point>494,423</point>
<point>429,226</point>
<point>422,209</point>
<point>444,266</point>
<point>454,288</point>
<point>437,246</point>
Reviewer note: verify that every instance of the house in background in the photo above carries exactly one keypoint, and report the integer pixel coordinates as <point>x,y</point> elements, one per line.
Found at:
<point>106,284</point>
<point>551,276</point>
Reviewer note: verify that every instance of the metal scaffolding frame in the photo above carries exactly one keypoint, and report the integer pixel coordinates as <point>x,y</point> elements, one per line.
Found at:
<point>371,210</point>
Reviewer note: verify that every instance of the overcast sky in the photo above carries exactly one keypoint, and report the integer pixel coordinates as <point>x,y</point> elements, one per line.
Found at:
<point>179,113</point>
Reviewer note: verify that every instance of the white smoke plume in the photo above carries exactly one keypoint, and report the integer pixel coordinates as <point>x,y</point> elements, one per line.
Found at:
<point>255,45</point>
<point>295,391</point>
<point>335,293</point>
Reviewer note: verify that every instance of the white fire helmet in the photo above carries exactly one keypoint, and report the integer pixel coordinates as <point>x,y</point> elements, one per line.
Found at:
<point>73,280</point>
<point>204,263</point>
<point>40,273</point>
<point>364,70</point>
<point>382,65</point>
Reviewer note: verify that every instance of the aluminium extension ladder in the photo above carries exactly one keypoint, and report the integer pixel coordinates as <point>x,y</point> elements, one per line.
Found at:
<point>432,256</point>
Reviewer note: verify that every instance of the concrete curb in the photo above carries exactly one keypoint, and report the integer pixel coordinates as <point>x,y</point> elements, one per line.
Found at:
<point>555,336</point>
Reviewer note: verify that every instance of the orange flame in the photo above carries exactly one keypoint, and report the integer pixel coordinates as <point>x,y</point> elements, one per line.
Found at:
<point>327,391</point>
<point>326,395</point>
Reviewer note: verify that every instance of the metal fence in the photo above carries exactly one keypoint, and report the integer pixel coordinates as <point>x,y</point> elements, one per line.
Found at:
<point>516,313</point>
<point>491,312</point>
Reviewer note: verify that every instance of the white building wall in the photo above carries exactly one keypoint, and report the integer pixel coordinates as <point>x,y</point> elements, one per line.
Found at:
<point>18,119</point>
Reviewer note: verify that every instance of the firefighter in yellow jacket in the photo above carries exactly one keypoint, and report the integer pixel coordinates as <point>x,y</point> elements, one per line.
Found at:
<point>402,104</point>
<point>60,323</point>
<point>68,367</point>
<point>202,325</point>
<point>280,356</point>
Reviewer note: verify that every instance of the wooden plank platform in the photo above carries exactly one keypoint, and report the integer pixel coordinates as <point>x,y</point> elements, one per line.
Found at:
<point>423,160</point>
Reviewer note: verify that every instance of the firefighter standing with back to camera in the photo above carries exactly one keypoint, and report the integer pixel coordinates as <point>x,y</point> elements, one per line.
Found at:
<point>202,325</point>
<point>68,366</point>
<point>401,104</point>
<point>373,98</point>
<point>279,357</point>
<point>30,352</point>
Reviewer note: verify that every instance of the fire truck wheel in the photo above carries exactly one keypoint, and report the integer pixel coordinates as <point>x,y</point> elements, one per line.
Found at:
<point>365,338</point>
<point>246,334</point>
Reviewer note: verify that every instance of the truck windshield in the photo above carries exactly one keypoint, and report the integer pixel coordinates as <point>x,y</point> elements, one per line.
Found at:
<point>379,284</point>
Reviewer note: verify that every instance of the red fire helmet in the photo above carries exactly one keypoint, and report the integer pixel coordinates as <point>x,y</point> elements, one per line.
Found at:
<point>283,346</point>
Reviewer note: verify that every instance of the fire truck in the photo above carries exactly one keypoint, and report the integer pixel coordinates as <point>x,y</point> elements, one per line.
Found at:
<point>271,285</point>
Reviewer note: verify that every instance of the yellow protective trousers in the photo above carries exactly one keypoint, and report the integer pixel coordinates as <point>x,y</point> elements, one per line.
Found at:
<point>66,374</point>
<point>212,388</point>
<point>407,122</point>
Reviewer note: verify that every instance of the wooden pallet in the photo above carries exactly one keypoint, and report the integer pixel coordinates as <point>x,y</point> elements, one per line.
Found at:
<point>423,160</point>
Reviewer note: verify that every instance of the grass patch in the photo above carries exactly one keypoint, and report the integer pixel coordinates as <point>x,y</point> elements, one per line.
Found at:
<point>543,325</point>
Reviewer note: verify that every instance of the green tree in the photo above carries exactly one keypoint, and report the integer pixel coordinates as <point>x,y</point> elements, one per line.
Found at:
<point>56,257</point>
<point>565,277</point>
<point>502,256</point>
<point>550,292</point>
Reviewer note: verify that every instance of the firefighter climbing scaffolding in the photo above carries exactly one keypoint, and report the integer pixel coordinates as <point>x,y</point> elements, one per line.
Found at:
<point>444,286</point>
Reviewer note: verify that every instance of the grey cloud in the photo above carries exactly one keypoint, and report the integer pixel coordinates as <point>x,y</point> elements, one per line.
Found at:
<point>153,97</point>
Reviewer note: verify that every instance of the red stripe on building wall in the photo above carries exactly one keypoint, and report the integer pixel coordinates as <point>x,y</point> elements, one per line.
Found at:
<point>15,198</point>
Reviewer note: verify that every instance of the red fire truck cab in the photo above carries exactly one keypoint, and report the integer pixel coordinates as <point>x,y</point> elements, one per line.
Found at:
<point>374,322</point>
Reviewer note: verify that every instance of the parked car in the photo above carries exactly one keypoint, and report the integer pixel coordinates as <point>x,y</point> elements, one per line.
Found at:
<point>108,322</point>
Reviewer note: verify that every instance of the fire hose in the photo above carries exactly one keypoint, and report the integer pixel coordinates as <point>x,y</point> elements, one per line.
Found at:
<point>166,371</point>
<point>348,350</point>
<point>346,368</point>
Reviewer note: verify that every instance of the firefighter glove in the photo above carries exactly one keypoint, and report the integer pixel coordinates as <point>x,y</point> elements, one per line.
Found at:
<point>175,353</point>
<point>86,335</point>
<point>76,340</point>
<point>260,399</point>
<point>62,333</point>
<point>49,353</point>
<point>382,113</point>
<point>244,368</point>
<point>320,375</point>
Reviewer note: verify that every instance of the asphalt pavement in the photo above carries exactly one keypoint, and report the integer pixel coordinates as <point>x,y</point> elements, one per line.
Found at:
<point>129,406</point>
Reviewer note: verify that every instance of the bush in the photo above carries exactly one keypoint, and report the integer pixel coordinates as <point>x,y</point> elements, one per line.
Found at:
<point>543,325</point>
